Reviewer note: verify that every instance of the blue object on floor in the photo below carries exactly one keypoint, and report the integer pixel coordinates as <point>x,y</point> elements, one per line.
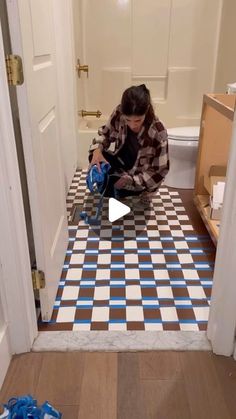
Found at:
<point>96,181</point>
<point>25,407</point>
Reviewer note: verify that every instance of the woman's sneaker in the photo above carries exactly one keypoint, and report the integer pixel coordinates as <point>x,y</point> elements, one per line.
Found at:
<point>5,414</point>
<point>142,203</point>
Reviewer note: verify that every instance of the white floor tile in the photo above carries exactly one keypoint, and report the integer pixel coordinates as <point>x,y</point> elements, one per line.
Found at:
<point>189,327</point>
<point>131,258</point>
<point>81,326</point>
<point>133,292</point>
<point>201,313</point>
<point>134,314</point>
<point>164,292</point>
<point>170,213</point>
<point>153,233</point>
<point>117,326</point>
<point>161,274</point>
<point>76,259</point>
<point>118,302</point>
<point>118,282</point>
<point>184,258</point>
<point>147,282</point>
<point>177,233</point>
<point>80,245</point>
<point>158,258</point>
<point>100,314</point>
<point>82,232</point>
<point>181,244</point>
<point>190,274</point>
<point>132,274</point>
<point>196,291</point>
<point>102,293</point>
<point>70,293</point>
<point>104,259</point>
<point>105,244</point>
<point>74,274</point>
<point>153,326</point>
<point>169,314</point>
<point>173,222</point>
<point>130,244</point>
<point>66,314</point>
<point>164,227</point>
<point>155,244</point>
<point>150,303</point>
<point>103,274</point>
<point>183,302</point>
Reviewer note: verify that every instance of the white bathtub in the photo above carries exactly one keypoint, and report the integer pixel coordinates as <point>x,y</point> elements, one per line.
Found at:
<point>88,129</point>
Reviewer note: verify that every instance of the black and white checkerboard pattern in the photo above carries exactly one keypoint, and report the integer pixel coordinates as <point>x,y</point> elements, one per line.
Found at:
<point>149,271</point>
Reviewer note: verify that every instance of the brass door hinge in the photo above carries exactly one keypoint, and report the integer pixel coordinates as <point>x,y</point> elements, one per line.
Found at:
<point>14,70</point>
<point>38,279</point>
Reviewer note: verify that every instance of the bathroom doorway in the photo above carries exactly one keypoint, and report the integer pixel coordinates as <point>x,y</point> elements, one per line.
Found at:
<point>107,74</point>
<point>142,249</point>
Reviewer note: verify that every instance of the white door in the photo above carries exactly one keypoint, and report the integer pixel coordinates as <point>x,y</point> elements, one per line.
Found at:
<point>18,327</point>
<point>32,35</point>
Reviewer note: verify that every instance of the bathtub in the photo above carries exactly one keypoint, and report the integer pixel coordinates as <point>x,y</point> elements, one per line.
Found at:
<point>88,129</point>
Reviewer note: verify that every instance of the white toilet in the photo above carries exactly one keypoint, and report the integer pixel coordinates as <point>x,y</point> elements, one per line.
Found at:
<point>183,147</point>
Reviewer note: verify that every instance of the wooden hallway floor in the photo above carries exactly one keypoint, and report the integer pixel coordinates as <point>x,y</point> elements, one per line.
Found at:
<point>141,385</point>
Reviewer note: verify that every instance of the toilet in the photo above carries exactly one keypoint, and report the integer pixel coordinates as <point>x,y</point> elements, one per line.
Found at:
<point>183,147</point>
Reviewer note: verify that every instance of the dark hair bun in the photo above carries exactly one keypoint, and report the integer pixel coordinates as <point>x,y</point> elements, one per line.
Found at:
<point>143,86</point>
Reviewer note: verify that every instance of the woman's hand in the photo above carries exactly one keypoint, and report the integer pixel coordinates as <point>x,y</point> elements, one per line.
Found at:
<point>123,181</point>
<point>97,159</point>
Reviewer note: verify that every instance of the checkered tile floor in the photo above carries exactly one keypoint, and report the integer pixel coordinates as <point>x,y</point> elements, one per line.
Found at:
<point>149,271</point>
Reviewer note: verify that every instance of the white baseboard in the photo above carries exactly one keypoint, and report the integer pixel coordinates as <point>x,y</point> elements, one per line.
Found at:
<point>5,354</point>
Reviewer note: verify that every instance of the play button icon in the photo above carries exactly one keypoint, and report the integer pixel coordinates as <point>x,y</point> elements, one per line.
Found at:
<point>117,210</point>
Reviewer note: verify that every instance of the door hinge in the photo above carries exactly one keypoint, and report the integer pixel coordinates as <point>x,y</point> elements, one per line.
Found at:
<point>38,279</point>
<point>14,67</point>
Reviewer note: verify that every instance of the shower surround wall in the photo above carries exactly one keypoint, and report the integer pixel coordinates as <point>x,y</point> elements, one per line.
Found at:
<point>170,45</point>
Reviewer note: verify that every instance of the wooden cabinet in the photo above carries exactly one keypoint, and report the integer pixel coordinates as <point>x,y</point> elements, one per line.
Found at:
<point>214,145</point>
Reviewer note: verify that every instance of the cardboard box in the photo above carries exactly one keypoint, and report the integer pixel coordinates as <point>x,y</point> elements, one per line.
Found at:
<point>216,174</point>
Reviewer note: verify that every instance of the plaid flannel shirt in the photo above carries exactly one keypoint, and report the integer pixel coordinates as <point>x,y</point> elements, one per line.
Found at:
<point>152,163</point>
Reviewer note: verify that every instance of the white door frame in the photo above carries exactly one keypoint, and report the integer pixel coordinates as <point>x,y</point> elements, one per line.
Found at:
<point>16,289</point>
<point>5,350</point>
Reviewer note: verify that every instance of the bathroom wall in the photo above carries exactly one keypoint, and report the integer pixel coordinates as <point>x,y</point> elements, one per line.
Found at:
<point>226,60</point>
<point>170,45</point>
